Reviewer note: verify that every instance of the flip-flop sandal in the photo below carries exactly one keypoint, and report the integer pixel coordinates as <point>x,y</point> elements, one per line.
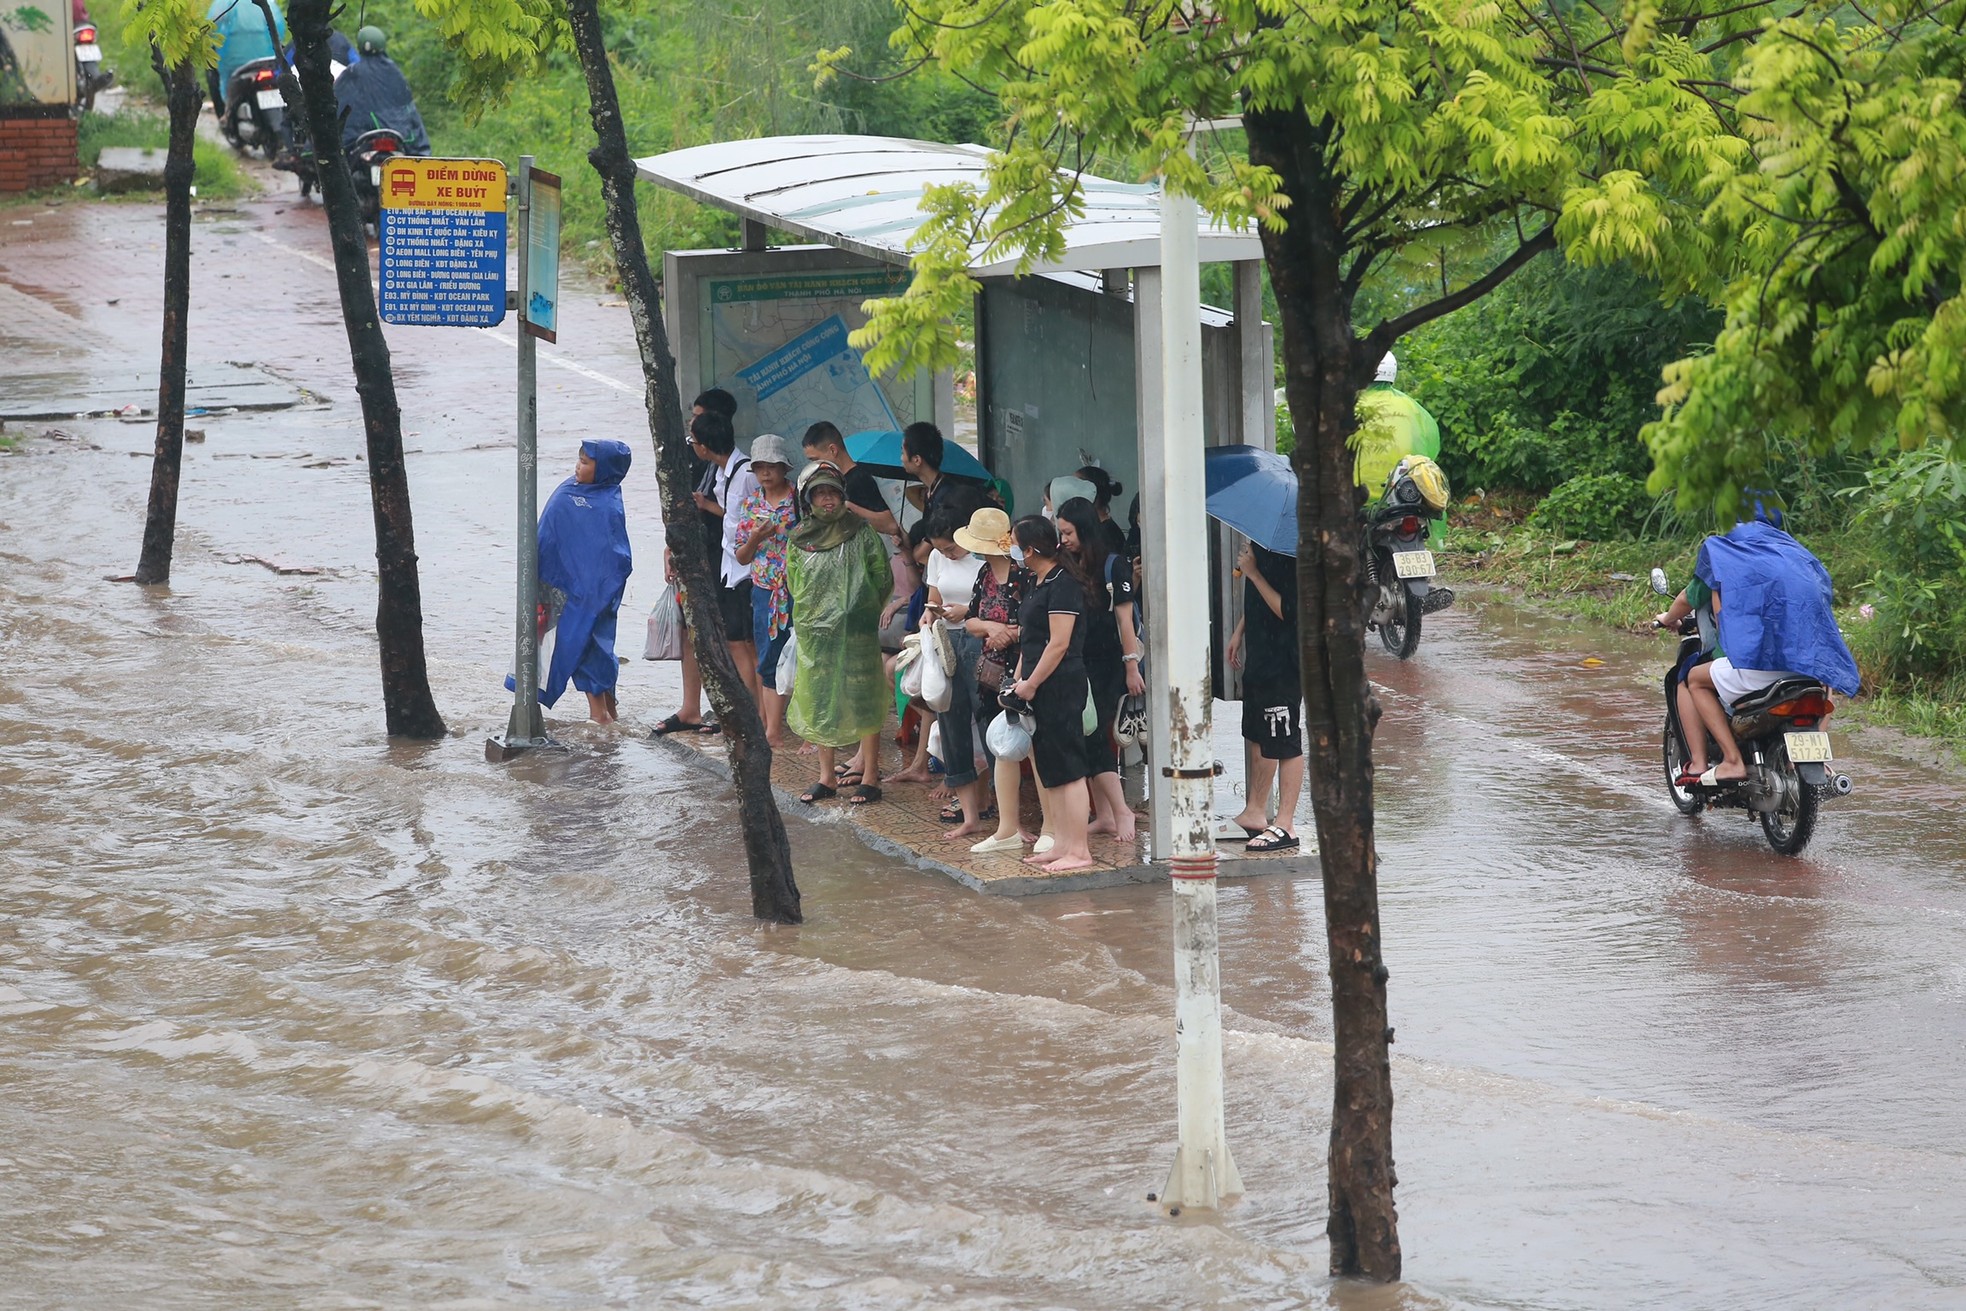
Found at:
<point>818,792</point>
<point>709,730</point>
<point>1269,840</point>
<point>864,795</point>
<point>676,724</point>
<point>1688,777</point>
<point>1222,834</point>
<point>950,815</point>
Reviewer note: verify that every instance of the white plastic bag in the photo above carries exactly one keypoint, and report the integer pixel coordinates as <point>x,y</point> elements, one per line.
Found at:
<point>937,687</point>
<point>910,663</point>
<point>665,639</point>
<point>788,664</point>
<point>935,742</point>
<point>1009,737</point>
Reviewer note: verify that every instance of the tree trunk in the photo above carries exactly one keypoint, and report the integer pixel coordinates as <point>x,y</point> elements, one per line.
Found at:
<point>774,894</point>
<point>407,705</point>
<point>1325,370</point>
<point>185,97</point>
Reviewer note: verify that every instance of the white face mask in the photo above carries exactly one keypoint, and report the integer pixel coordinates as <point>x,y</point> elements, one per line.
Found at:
<point>1050,514</point>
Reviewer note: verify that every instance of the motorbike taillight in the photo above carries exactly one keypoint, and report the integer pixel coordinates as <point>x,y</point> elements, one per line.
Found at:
<point>1410,526</point>
<point>1810,705</point>
<point>85,36</point>
<point>263,75</point>
<point>386,143</point>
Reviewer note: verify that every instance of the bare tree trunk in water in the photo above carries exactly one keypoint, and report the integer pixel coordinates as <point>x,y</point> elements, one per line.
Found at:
<point>185,97</point>
<point>407,705</point>
<point>774,894</point>
<point>1324,370</point>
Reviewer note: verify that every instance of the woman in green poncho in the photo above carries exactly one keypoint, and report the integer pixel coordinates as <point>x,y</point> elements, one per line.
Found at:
<point>840,581</point>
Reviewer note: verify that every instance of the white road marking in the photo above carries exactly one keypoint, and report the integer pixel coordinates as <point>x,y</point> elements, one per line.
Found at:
<point>562,361</point>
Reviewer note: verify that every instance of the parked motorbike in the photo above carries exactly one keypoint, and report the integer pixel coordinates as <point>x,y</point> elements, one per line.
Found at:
<point>91,75</point>
<point>1780,733</point>
<point>1399,567</point>
<point>255,115</point>
<point>366,156</point>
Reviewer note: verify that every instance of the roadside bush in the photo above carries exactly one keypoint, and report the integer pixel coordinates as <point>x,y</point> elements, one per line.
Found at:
<point>1597,507</point>
<point>216,174</point>
<point>1914,509</point>
<point>1551,376</point>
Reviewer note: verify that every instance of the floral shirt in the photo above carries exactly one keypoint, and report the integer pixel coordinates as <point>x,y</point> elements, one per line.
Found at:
<point>999,603</point>
<point>768,565</point>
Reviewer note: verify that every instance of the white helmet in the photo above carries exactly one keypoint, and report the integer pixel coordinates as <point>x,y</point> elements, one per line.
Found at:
<point>1388,369</point>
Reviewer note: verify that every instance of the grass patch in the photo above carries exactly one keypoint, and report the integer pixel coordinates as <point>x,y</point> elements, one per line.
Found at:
<point>217,174</point>
<point>1609,583</point>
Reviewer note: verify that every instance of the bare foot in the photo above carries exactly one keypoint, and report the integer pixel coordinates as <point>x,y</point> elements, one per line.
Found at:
<point>1067,865</point>
<point>1039,861</point>
<point>909,776</point>
<point>967,829</point>
<point>940,792</point>
<point>1099,826</point>
<point>1126,836</point>
<point>775,743</point>
<point>808,749</point>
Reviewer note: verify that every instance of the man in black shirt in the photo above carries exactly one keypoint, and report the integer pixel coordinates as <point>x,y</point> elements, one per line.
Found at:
<point>1264,648</point>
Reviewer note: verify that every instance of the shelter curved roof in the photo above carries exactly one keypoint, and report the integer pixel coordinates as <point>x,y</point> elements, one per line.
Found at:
<point>863,194</point>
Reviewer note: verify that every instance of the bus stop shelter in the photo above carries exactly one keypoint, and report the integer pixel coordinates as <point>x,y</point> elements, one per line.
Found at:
<point>1068,355</point>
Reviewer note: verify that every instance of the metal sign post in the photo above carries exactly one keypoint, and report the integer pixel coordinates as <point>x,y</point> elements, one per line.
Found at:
<point>1204,1174</point>
<point>526,729</point>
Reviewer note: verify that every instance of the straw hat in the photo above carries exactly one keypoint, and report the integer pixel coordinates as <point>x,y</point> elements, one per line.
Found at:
<point>986,533</point>
<point>769,448</point>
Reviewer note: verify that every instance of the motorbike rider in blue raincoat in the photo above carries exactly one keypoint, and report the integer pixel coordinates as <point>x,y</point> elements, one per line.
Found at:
<point>241,28</point>
<point>373,93</point>
<point>1765,605</point>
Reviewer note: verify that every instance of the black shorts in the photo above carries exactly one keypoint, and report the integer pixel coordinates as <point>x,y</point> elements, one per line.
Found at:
<point>1273,720</point>
<point>1108,690</point>
<point>734,603</point>
<point>1058,745</point>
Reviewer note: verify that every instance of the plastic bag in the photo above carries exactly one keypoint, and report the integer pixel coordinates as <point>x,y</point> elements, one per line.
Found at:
<point>937,687</point>
<point>788,664</point>
<point>910,663</point>
<point>1009,737</point>
<point>665,639</point>
<point>1089,717</point>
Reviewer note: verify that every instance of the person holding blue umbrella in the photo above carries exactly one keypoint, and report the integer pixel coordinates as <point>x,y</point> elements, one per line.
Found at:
<point>1264,647</point>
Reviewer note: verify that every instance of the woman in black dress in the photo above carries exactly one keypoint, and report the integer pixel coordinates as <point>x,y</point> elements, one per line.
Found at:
<point>1112,657</point>
<point>1051,677</point>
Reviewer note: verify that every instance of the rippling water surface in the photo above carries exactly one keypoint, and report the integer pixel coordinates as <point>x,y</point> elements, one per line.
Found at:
<point>293,1017</point>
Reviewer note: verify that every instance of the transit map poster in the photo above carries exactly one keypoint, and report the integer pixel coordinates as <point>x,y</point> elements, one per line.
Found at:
<point>778,343</point>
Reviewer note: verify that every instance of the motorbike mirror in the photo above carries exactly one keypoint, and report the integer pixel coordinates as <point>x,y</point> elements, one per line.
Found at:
<point>1659,583</point>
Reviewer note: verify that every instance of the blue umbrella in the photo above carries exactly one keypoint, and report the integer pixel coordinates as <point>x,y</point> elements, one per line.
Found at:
<point>880,451</point>
<point>1254,492</point>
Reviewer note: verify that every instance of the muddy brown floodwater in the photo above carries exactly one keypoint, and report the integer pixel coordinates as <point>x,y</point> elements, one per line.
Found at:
<point>294,1017</point>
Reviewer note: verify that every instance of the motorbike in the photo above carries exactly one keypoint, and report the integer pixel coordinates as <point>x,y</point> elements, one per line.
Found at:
<point>91,76</point>
<point>255,115</point>
<point>1399,567</point>
<point>366,156</point>
<point>1779,729</point>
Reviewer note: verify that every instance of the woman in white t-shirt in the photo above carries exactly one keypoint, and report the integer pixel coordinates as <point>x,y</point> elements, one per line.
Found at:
<point>951,577</point>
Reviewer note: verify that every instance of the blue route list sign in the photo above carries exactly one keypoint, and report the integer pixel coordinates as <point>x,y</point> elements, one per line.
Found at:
<point>442,228</point>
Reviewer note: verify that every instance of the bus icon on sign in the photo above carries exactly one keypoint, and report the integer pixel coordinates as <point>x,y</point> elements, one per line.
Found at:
<point>402,182</point>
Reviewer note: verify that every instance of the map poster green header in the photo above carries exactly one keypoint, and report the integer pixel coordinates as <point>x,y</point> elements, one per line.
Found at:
<point>809,286</point>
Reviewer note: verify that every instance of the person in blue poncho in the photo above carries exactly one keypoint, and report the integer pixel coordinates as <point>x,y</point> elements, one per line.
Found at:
<point>584,563</point>
<point>242,37</point>
<point>1770,602</point>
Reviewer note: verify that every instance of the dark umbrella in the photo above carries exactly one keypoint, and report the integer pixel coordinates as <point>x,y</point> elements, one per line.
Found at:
<point>1254,492</point>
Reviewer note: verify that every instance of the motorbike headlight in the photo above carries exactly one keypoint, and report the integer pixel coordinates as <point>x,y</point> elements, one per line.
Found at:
<point>1405,492</point>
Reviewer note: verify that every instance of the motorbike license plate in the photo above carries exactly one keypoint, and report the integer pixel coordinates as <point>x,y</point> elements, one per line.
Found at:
<point>88,54</point>
<point>1807,748</point>
<point>1414,564</point>
<point>269,100</point>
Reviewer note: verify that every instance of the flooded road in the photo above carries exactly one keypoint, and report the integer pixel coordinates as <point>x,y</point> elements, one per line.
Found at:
<point>294,1017</point>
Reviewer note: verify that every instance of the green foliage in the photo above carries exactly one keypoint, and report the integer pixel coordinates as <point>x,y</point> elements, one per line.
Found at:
<point>1846,325</point>
<point>1551,376</point>
<point>1914,508</point>
<point>1598,507</point>
<point>217,174</point>
<point>178,28</point>
<point>1447,126</point>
